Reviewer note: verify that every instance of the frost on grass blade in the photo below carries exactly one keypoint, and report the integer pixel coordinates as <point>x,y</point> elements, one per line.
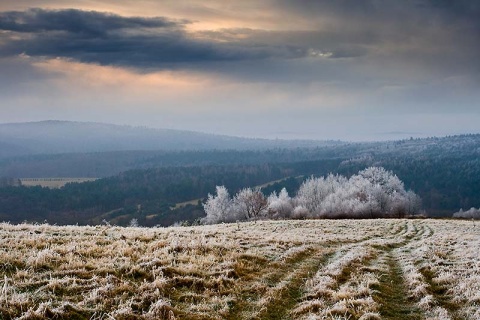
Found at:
<point>309,269</point>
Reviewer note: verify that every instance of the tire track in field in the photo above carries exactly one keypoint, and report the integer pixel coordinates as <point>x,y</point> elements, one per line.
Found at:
<point>289,291</point>
<point>438,290</point>
<point>332,292</point>
<point>429,294</point>
<point>351,264</point>
<point>342,287</point>
<point>283,286</point>
<point>440,293</point>
<point>392,292</point>
<point>399,231</point>
<point>285,280</point>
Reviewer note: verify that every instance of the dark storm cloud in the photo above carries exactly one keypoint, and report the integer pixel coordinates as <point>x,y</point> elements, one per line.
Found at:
<point>438,35</point>
<point>112,39</point>
<point>88,23</point>
<point>391,19</point>
<point>459,8</point>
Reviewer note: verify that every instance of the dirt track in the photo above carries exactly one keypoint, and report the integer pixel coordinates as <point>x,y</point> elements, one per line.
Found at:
<point>337,269</point>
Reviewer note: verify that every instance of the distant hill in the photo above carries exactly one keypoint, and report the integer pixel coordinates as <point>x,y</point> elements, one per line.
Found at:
<point>109,163</point>
<point>11,150</point>
<point>53,137</point>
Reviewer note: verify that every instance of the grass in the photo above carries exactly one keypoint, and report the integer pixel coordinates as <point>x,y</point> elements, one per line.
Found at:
<point>289,291</point>
<point>323,269</point>
<point>392,294</point>
<point>440,292</point>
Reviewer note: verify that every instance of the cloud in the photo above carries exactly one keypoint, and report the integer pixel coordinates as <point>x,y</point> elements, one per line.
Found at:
<point>427,35</point>
<point>86,23</point>
<point>109,39</point>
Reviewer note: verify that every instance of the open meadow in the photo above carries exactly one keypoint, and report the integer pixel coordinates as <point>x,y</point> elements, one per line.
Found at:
<point>308,269</point>
<point>52,183</point>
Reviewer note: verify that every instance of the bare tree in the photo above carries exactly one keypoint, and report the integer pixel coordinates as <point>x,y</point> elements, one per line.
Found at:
<point>250,203</point>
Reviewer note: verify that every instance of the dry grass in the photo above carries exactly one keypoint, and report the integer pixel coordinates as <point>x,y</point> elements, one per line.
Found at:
<point>265,270</point>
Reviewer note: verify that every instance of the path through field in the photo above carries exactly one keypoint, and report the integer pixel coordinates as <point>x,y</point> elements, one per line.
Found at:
<point>323,269</point>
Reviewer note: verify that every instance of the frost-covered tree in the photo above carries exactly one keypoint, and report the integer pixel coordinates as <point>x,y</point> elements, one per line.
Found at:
<point>219,208</point>
<point>473,213</point>
<point>250,203</point>
<point>372,193</point>
<point>413,202</point>
<point>133,223</point>
<point>313,192</point>
<point>378,176</point>
<point>280,206</point>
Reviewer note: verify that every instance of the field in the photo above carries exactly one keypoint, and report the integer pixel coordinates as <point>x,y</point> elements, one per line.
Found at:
<point>310,269</point>
<point>52,182</point>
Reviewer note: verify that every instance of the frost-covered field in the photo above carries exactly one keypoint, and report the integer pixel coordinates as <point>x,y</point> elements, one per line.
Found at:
<point>312,269</point>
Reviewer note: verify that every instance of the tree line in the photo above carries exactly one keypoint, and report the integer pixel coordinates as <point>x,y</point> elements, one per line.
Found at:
<point>372,193</point>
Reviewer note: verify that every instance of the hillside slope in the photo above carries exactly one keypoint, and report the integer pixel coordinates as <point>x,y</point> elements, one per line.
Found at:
<point>47,137</point>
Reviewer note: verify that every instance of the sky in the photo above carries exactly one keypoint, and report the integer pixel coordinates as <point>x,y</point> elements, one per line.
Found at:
<point>291,69</point>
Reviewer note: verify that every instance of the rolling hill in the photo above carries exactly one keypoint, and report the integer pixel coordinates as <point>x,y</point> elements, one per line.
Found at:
<point>54,137</point>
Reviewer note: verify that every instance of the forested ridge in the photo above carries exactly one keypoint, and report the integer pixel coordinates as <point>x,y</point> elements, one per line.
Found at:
<point>105,164</point>
<point>444,172</point>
